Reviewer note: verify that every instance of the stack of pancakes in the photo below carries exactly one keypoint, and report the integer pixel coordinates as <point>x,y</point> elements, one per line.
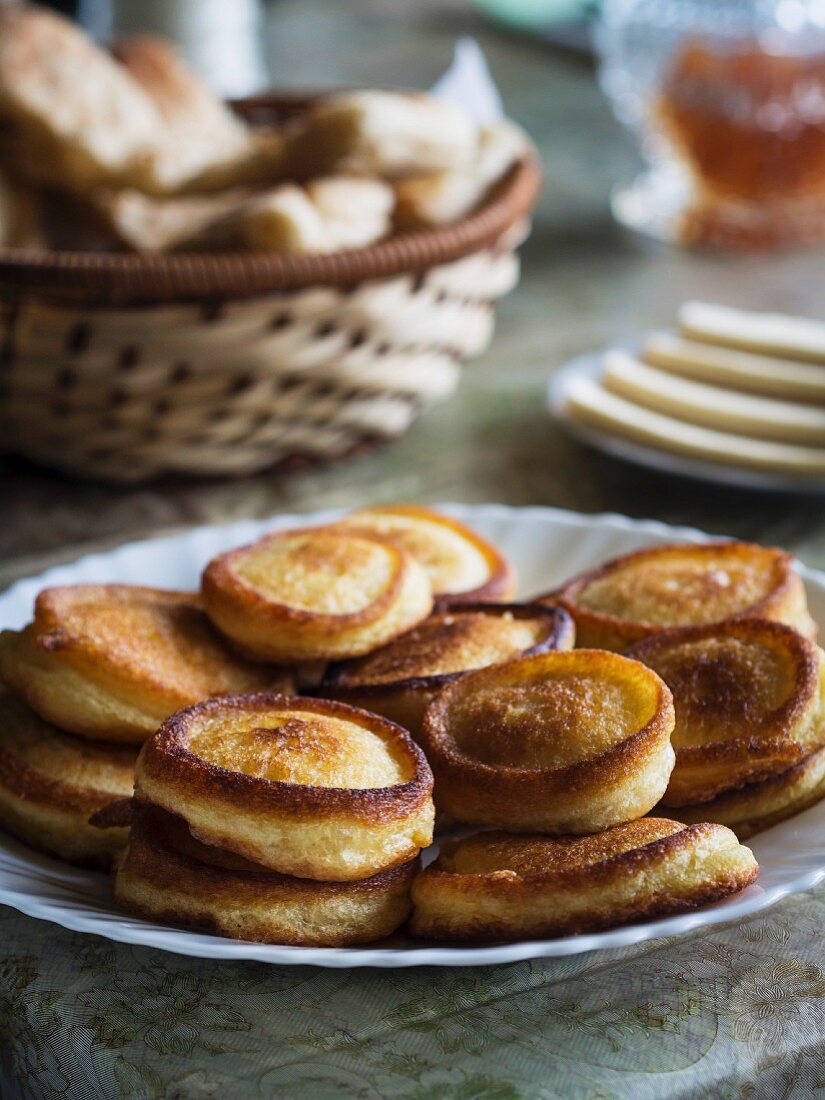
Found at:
<point>299,818</point>
<point>726,626</point>
<point>278,819</point>
<point>86,682</point>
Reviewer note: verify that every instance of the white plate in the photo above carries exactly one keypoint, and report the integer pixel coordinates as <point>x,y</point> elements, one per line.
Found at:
<point>546,545</point>
<point>719,473</point>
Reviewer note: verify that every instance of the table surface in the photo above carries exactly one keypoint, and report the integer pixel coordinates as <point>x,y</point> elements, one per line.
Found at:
<point>736,1012</point>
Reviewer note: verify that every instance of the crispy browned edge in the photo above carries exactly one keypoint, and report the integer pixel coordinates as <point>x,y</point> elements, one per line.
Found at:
<point>504,782</point>
<point>780,745</point>
<point>502,580</point>
<point>175,833</point>
<point>621,866</point>
<point>759,820</point>
<point>631,631</point>
<point>27,783</point>
<point>223,588</point>
<point>560,635</point>
<point>167,757</point>
<point>53,637</point>
<point>150,857</point>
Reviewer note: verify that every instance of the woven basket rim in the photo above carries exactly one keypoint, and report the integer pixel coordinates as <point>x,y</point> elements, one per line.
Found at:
<point>158,278</point>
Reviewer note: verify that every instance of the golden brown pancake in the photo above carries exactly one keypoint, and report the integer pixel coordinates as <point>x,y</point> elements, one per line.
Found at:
<point>684,584</point>
<point>301,786</point>
<point>156,881</point>
<point>315,593</point>
<point>51,783</point>
<point>758,806</point>
<point>557,743</point>
<point>461,565</point>
<point>749,696</point>
<point>399,680</point>
<point>493,886</point>
<point>110,662</point>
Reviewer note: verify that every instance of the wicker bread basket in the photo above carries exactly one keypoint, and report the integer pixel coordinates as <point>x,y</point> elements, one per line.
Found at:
<point>125,367</point>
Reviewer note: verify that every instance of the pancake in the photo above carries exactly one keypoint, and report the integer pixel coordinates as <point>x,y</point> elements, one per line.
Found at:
<point>461,565</point>
<point>301,786</point>
<point>749,697</point>
<point>399,680</point>
<point>757,806</point>
<point>557,743</point>
<point>155,881</point>
<point>110,662</point>
<point>493,886</point>
<point>315,593</point>
<point>683,584</point>
<point>51,783</point>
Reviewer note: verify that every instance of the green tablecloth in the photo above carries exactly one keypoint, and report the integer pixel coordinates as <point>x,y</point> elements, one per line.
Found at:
<point>738,1011</point>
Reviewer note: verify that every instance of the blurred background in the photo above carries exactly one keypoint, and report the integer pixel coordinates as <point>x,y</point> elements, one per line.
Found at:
<point>587,280</point>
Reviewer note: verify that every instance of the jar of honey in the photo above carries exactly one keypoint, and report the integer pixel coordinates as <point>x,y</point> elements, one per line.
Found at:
<point>727,98</point>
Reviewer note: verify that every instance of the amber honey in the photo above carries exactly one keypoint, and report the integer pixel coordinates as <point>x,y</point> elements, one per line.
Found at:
<point>750,127</point>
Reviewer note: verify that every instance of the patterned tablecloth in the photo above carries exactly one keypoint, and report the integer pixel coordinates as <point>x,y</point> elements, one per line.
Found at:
<point>734,1012</point>
<point>737,1012</point>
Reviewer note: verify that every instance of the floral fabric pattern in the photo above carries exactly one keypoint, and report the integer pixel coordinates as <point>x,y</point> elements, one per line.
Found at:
<point>736,1013</point>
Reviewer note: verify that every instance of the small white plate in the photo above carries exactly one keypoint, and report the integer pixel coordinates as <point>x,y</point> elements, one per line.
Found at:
<point>720,473</point>
<point>546,545</point>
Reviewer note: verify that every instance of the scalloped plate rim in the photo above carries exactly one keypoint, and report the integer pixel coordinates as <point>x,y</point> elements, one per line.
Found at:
<point>126,929</point>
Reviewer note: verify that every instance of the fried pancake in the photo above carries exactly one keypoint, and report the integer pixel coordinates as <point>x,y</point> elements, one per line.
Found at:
<point>51,783</point>
<point>315,593</point>
<point>77,119</point>
<point>301,786</point>
<point>379,133</point>
<point>558,743</point>
<point>460,563</point>
<point>757,806</point>
<point>749,697</point>
<point>110,662</point>
<point>400,680</point>
<point>493,886</point>
<point>683,584</point>
<point>156,881</point>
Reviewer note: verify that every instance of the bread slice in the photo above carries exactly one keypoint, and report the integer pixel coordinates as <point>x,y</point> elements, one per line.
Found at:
<point>72,115</point>
<point>390,134</point>
<point>203,144</point>
<point>20,216</point>
<point>328,214</point>
<point>438,198</point>
<point>147,223</point>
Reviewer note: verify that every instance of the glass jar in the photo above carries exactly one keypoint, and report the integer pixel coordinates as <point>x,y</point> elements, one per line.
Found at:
<point>727,101</point>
